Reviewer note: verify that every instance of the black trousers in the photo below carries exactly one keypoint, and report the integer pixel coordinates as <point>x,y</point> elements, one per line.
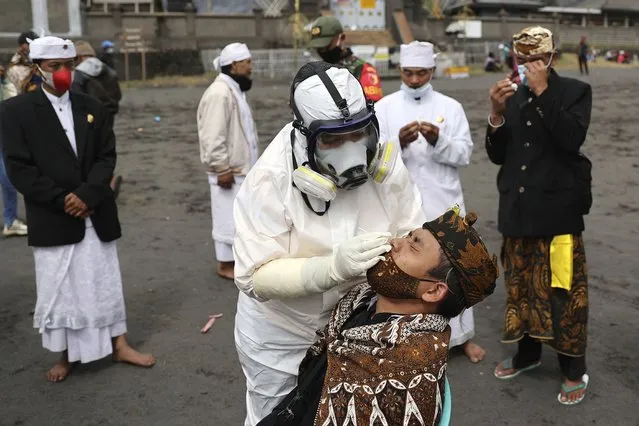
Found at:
<point>529,352</point>
<point>583,65</point>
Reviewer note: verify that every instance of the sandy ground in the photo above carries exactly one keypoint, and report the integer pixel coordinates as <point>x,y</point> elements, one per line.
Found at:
<point>167,263</point>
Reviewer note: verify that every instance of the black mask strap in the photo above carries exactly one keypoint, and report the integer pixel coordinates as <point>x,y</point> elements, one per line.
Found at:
<point>341,103</point>
<point>332,90</point>
<point>304,196</point>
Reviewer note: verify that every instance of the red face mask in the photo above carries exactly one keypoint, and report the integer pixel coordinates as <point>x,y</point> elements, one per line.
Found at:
<point>62,80</point>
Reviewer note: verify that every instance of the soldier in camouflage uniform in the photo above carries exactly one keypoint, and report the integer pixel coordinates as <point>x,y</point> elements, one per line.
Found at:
<point>327,37</point>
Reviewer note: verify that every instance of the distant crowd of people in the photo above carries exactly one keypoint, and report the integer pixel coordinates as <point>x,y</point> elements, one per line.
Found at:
<point>585,55</point>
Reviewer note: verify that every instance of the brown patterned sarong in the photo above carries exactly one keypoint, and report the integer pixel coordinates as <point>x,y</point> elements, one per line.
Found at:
<point>553,316</point>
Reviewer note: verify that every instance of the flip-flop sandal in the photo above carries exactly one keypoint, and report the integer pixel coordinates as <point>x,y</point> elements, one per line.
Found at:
<point>507,364</point>
<point>568,390</point>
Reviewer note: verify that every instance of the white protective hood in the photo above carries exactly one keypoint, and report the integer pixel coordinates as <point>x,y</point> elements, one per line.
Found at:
<point>315,103</point>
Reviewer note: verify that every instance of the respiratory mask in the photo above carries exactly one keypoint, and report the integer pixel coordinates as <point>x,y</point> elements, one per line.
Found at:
<point>343,153</point>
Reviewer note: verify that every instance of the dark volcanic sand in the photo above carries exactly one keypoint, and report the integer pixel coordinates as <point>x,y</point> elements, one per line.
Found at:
<point>168,268</point>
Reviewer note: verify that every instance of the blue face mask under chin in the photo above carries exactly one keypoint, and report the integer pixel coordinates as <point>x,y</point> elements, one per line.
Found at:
<point>418,92</point>
<point>521,70</point>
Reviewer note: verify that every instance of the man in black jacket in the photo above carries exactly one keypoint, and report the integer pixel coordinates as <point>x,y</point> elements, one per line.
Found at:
<point>96,79</point>
<point>535,133</point>
<point>59,151</point>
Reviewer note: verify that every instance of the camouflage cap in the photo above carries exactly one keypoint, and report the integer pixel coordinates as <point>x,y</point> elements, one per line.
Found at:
<point>323,31</point>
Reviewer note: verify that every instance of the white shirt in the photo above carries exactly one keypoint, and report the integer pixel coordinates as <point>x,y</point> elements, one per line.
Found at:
<point>247,118</point>
<point>432,168</point>
<point>62,108</point>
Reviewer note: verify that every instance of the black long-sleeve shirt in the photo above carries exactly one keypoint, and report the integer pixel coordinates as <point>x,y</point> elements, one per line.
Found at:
<point>537,147</point>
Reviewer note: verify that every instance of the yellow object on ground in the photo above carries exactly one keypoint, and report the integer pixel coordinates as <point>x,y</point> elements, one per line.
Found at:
<point>457,72</point>
<point>561,249</point>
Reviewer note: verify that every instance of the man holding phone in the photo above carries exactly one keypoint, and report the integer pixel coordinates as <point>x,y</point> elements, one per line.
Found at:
<point>537,124</point>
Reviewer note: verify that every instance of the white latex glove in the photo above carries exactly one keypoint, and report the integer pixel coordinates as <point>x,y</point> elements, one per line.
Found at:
<point>291,278</point>
<point>354,257</point>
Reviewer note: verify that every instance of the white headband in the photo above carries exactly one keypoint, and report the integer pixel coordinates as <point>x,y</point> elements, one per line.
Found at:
<point>233,52</point>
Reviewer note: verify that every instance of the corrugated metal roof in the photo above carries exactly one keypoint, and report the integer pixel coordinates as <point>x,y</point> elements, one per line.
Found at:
<point>618,5</point>
<point>621,5</point>
<point>506,3</point>
<point>512,2</point>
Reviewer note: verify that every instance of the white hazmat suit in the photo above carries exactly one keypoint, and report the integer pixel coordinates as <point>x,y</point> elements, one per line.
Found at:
<point>277,232</point>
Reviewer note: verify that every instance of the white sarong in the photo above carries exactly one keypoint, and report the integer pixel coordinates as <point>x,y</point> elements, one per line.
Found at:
<point>462,328</point>
<point>80,304</point>
<point>222,217</point>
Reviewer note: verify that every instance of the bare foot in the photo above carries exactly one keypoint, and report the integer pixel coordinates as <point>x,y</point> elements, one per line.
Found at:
<point>574,395</point>
<point>226,270</point>
<point>60,370</point>
<point>474,352</point>
<point>122,352</point>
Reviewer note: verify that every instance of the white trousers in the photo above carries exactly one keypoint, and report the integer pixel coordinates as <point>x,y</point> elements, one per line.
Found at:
<point>80,304</point>
<point>265,386</point>
<point>462,328</point>
<point>84,345</point>
<point>222,217</point>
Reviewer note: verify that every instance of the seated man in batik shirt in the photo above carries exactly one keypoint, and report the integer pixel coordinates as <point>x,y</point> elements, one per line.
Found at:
<point>382,357</point>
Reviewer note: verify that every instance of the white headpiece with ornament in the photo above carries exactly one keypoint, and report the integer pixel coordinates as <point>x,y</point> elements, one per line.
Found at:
<point>51,48</point>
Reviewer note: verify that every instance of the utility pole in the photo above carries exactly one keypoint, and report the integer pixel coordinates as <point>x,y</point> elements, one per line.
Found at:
<point>297,36</point>
<point>40,16</point>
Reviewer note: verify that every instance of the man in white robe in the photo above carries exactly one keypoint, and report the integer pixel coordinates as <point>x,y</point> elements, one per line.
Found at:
<point>228,144</point>
<point>433,133</point>
<point>59,150</point>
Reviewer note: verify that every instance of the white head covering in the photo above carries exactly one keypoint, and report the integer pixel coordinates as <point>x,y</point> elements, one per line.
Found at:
<point>233,52</point>
<point>315,103</point>
<point>417,54</point>
<point>50,47</point>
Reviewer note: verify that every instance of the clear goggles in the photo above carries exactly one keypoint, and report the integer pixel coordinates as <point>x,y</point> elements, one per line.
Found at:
<point>352,124</point>
<point>334,138</point>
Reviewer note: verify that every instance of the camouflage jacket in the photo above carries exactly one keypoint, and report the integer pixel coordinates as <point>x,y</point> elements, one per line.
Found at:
<point>366,74</point>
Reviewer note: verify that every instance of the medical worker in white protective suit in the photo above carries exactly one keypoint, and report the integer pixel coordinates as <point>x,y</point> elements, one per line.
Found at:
<point>315,212</point>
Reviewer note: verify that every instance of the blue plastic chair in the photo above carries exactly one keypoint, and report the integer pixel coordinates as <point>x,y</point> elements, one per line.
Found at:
<point>448,405</point>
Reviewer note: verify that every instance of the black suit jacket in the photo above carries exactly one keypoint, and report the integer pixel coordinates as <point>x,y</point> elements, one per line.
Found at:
<point>42,166</point>
<point>539,193</point>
